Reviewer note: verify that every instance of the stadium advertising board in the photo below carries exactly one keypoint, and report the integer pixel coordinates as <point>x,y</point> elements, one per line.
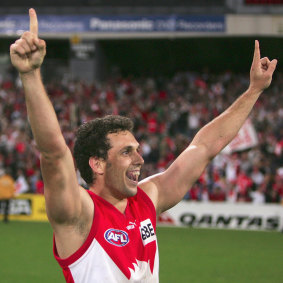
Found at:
<point>16,24</point>
<point>267,217</point>
<point>27,207</point>
<point>224,215</point>
<point>264,2</point>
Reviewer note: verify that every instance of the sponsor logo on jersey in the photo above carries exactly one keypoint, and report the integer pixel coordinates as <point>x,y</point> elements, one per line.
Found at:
<point>132,225</point>
<point>147,232</point>
<point>116,237</point>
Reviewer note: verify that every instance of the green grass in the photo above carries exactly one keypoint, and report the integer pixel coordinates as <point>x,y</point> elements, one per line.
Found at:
<point>203,255</point>
<point>28,256</point>
<point>186,255</point>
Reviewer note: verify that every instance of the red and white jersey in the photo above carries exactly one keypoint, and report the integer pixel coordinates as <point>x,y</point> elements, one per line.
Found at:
<point>119,248</point>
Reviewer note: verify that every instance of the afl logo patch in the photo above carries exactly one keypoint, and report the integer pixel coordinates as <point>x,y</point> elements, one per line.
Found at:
<point>116,237</point>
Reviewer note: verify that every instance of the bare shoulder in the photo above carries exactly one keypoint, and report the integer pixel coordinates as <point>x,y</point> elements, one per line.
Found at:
<point>168,188</point>
<point>150,187</point>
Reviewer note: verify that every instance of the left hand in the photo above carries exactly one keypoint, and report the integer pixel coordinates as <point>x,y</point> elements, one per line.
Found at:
<point>261,70</point>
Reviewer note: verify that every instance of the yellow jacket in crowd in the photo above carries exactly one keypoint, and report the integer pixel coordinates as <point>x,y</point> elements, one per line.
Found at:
<point>7,187</point>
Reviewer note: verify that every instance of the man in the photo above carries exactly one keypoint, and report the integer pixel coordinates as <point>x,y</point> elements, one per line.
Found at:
<point>7,192</point>
<point>107,234</point>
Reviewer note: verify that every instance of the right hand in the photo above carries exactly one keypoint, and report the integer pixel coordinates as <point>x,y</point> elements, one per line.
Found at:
<point>28,52</point>
<point>261,71</point>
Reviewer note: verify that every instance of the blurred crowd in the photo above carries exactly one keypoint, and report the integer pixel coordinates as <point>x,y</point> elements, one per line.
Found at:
<point>167,113</point>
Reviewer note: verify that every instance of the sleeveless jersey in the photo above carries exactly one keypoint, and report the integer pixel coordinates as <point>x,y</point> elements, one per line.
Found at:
<point>119,248</point>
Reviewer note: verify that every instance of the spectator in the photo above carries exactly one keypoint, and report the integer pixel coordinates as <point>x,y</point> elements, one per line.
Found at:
<point>21,183</point>
<point>217,194</point>
<point>7,191</point>
<point>257,196</point>
<point>163,131</point>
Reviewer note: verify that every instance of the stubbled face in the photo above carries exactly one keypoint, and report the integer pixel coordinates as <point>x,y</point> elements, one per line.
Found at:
<point>123,165</point>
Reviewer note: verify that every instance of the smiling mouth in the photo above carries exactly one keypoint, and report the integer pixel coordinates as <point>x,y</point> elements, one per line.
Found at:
<point>133,176</point>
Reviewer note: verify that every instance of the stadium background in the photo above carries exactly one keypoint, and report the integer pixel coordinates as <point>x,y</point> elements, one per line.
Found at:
<point>205,255</point>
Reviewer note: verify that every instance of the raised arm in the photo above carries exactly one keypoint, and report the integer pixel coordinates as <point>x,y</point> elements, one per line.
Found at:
<point>168,188</point>
<point>64,198</point>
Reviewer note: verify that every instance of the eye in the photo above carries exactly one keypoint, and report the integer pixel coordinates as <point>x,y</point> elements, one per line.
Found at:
<point>126,152</point>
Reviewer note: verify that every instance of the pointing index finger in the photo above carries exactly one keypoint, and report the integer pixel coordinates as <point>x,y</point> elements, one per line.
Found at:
<point>256,58</point>
<point>33,24</point>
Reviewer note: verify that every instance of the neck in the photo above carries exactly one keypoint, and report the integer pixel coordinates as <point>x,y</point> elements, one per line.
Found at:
<point>118,203</point>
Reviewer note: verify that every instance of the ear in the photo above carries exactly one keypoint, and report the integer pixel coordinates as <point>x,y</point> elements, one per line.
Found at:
<point>97,165</point>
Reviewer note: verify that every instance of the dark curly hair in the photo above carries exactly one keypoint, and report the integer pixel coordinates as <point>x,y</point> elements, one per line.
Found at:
<point>91,140</point>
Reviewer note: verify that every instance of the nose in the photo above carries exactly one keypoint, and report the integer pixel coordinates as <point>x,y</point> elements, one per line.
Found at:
<point>138,159</point>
